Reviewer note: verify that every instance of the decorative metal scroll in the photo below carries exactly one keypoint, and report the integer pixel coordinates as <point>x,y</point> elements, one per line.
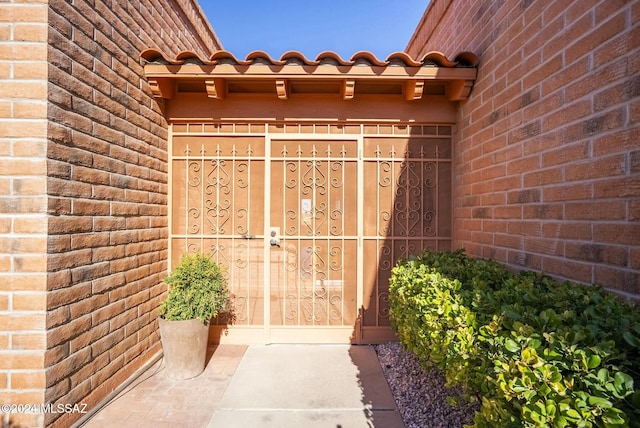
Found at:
<point>313,224</point>
<point>218,206</point>
<point>313,189</point>
<point>408,203</point>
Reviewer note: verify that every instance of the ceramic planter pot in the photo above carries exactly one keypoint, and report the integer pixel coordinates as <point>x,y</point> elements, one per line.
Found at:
<point>184,344</point>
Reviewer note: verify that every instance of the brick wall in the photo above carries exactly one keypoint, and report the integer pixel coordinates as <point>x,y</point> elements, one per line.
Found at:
<point>83,193</point>
<point>547,152</point>
<point>23,202</point>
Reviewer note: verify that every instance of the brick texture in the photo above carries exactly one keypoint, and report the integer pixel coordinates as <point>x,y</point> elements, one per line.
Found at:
<point>547,141</point>
<point>23,206</point>
<point>83,194</point>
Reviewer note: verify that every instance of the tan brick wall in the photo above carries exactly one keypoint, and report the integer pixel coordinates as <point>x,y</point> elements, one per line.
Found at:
<point>546,149</point>
<point>23,205</point>
<point>83,194</point>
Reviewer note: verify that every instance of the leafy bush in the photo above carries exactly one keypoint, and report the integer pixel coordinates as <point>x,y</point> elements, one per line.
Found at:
<point>197,289</point>
<point>536,352</point>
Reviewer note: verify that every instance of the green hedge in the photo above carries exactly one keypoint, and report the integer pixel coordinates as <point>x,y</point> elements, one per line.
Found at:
<point>535,351</point>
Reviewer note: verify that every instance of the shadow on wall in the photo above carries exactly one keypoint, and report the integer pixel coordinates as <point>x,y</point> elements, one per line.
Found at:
<point>219,326</point>
<point>412,193</point>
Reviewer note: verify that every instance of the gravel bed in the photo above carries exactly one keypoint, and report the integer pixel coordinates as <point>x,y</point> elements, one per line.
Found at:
<point>421,395</point>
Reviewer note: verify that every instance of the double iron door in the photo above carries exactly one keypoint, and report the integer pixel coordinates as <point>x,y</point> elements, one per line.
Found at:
<point>306,227</point>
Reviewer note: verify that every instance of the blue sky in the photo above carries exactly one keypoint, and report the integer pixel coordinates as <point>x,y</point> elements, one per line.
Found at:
<point>310,26</point>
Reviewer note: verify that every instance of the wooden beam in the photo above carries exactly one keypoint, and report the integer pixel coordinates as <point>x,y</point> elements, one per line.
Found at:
<point>413,90</point>
<point>291,71</point>
<point>281,89</point>
<point>348,89</point>
<point>459,90</point>
<point>162,87</point>
<point>216,88</point>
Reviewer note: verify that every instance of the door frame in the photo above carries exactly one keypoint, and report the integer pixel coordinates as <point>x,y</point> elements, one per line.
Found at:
<point>311,334</point>
<point>363,331</point>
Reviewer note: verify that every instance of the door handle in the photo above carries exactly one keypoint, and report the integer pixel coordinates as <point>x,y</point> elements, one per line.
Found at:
<point>248,236</point>
<point>274,241</point>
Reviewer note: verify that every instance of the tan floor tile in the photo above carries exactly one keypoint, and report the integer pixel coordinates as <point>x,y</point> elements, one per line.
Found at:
<point>154,400</point>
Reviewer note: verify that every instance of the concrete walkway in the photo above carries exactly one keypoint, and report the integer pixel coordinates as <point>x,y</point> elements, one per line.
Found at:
<point>335,386</point>
<point>308,386</point>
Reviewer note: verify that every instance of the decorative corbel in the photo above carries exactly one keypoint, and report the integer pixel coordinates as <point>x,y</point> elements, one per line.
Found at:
<point>162,88</point>
<point>458,90</point>
<point>215,88</point>
<point>348,89</point>
<point>281,89</point>
<point>413,89</point>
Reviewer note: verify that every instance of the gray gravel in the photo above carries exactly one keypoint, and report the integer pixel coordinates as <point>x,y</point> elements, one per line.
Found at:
<point>421,395</point>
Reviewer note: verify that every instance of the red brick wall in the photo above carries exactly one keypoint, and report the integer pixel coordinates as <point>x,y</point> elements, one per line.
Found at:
<point>547,152</point>
<point>83,194</point>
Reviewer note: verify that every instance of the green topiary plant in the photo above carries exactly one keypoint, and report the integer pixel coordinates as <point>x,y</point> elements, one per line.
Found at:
<point>197,289</point>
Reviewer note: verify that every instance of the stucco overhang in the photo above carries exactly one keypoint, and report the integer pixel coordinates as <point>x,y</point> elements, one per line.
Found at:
<point>222,74</point>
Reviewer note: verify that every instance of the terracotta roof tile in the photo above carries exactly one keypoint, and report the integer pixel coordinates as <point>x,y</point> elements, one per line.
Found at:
<point>299,56</point>
<point>223,73</point>
<point>404,57</point>
<point>463,59</point>
<point>368,57</point>
<point>330,55</point>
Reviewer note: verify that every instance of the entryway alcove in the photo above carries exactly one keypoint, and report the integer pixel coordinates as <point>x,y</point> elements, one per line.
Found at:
<point>308,180</point>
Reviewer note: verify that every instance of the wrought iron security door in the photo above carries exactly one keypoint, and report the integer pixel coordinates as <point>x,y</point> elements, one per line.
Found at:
<point>282,216</point>
<point>314,214</point>
<point>218,202</point>
<point>309,225</point>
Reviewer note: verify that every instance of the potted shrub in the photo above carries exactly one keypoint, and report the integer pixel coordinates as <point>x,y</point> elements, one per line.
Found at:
<point>197,293</point>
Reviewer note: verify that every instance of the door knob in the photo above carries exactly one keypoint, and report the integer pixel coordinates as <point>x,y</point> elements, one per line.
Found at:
<point>274,241</point>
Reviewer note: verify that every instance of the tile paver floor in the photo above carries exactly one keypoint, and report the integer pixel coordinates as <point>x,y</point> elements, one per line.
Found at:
<point>154,400</point>
<point>261,386</point>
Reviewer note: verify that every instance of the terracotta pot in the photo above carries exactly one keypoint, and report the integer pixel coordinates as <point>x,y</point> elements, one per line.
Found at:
<point>184,344</point>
